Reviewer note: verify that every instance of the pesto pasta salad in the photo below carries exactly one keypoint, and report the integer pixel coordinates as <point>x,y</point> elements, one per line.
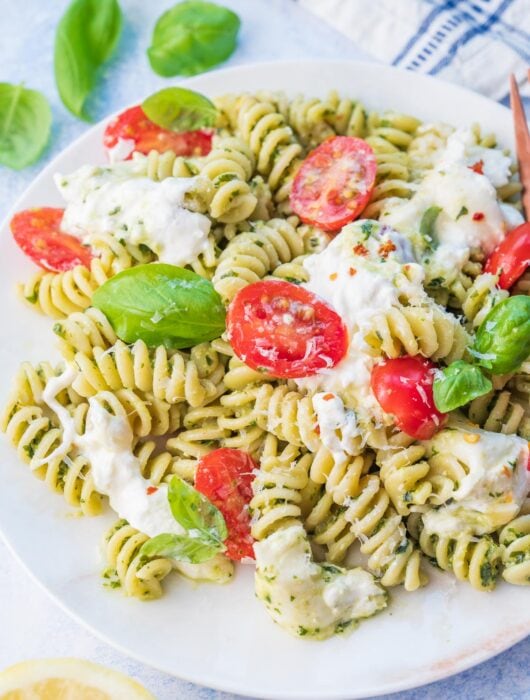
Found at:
<point>295,335</point>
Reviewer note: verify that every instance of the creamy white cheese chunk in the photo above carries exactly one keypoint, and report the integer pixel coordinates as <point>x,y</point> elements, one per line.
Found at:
<point>462,148</point>
<point>359,285</point>
<point>116,471</point>
<point>338,429</point>
<point>493,479</point>
<point>471,215</point>
<point>117,201</point>
<point>307,598</point>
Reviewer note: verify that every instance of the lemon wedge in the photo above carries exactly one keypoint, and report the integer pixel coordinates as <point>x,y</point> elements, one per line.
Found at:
<point>67,679</point>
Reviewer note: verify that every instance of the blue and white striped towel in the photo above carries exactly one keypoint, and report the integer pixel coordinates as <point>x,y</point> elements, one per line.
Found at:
<point>476,43</point>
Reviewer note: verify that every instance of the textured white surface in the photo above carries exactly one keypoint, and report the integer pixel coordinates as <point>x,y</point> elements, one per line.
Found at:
<point>31,625</point>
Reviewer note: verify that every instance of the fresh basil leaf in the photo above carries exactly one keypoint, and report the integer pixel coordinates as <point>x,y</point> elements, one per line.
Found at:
<point>179,109</point>
<point>460,384</point>
<point>502,341</point>
<point>86,37</point>
<point>181,548</point>
<point>427,223</point>
<point>25,122</point>
<point>161,305</point>
<point>193,37</point>
<point>195,512</point>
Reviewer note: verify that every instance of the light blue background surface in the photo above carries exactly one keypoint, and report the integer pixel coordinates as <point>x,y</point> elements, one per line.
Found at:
<point>30,624</point>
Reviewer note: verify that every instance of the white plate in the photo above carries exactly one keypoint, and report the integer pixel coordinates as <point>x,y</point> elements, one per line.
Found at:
<point>221,636</point>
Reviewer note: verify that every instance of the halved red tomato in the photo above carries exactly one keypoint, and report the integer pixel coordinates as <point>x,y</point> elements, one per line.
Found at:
<point>403,387</point>
<point>285,329</point>
<point>133,125</point>
<point>334,183</point>
<point>38,234</point>
<point>225,476</point>
<point>511,257</point>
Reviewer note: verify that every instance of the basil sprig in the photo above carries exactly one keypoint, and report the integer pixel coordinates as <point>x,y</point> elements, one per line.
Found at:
<point>25,122</point>
<point>459,384</point>
<point>161,305</point>
<point>179,109</point>
<point>192,37</point>
<point>86,37</point>
<point>502,342</point>
<point>205,525</point>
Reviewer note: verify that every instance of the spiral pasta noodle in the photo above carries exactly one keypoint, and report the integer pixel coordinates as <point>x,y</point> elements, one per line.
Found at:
<point>82,331</point>
<point>136,575</point>
<point>146,414</point>
<point>515,542</point>
<point>312,119</point>
<point>390,136</point>
<point>239,421</point>
<point>412,330</point>
<point>500,412</point>
<point>349,117</point>
<point>157,465</point>
<point>481,297</point>
<point>171,377</point>
<point>200,434</point>
<point>229,166</point>
<point>340,477</point>
<point>287,414</point>
<point>277,488</point>
<point>471,559</point>
<point>374,522</point>
<point>36,438</point>
<point>253,254</point>
<point>404,472</point>
<point>159,166</point>
<point>272,142</point>
<point>30,382</point>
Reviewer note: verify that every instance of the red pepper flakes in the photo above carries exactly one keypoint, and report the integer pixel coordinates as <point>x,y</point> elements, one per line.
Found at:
<point>328,397</point>
<point>360,249</point>
<point>386,248</point>
<point>150,490</point>
<point>478,216</point>
<point>477,167</point>
<point>352,271</point>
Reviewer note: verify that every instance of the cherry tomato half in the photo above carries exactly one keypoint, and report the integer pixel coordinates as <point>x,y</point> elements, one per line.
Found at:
<point>133,125</point>
<point>403,387</point>
<point>225,476</point>
<point>38,234</point>
<point>334,183</point>
<point>511,257</point>
<point>285,329</point>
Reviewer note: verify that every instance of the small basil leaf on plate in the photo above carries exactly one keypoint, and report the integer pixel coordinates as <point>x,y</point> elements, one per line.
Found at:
<point>179,109</point>
<point>86,37</point>
<point>192,37</point>
<point>196,513</point>
<point>161,305</point>
<point>459,384</point>
<point>25,122</point>
<point>193,550</point>
<point>427,223</point>
<point>502,341</point>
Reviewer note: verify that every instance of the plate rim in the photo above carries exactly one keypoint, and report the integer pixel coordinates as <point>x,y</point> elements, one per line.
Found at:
<point>239,686</point>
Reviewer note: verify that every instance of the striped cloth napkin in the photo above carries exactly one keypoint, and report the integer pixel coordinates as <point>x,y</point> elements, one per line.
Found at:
<point>476,43</point>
